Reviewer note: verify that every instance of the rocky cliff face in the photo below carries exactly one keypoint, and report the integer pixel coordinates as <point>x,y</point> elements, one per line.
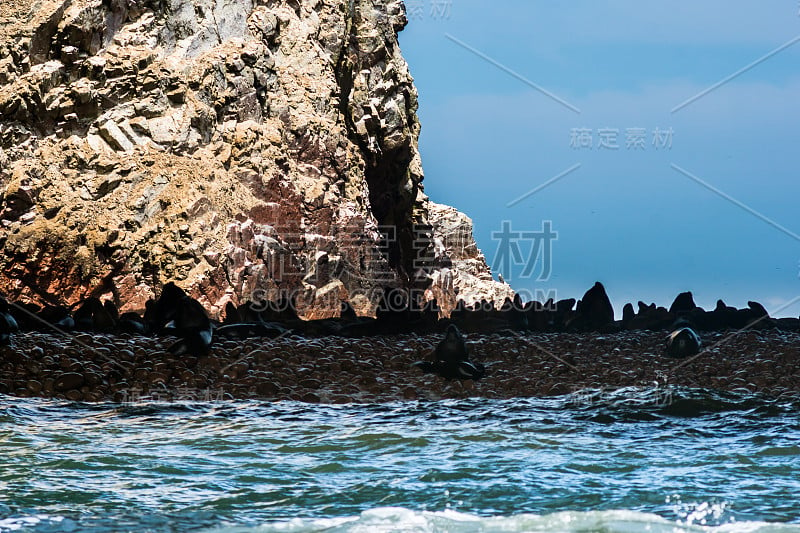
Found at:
<point>244,149</point>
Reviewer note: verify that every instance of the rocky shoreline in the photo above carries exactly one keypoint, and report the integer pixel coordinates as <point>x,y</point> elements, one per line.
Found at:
<point>128,368</point>
<point>175,352</point>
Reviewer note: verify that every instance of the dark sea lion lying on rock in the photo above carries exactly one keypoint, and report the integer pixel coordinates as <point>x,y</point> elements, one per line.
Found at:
<point>250,330</point>
<point>54,318</point>
<point>245,322</point>
<point>176,313</point>
<point>683,342</point>
<point>132,323</point>
<point>354,325</point>
<point>450,359</point>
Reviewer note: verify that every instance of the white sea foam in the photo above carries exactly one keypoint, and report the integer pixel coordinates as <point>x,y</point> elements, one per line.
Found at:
<point>40,521</point>
<point>396,519</point>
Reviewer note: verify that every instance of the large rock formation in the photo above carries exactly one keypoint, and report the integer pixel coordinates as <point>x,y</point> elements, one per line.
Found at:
<point>243,149</point>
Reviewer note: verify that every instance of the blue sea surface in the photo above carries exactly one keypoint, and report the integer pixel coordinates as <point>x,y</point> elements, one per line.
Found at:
<point>628,460</point>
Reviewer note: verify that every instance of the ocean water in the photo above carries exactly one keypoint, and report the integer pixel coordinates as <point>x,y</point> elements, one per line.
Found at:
<point>630,460</point>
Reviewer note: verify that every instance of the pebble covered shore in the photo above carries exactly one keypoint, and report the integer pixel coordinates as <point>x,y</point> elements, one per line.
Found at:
<point>126,368</point>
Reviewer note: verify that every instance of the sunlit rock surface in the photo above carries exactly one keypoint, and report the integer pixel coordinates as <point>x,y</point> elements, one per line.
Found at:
<point>241,149</point>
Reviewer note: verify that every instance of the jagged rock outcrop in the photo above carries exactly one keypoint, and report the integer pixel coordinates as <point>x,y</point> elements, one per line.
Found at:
<point>243,149</point>
<point>460,269</point>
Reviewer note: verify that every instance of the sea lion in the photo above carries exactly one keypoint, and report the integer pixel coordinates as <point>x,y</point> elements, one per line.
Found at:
<point>593,312</point>
<point>393,313</point>
<point>683,304</point>
<point>347,313</point>
<point>176,313</point>
<point>250,329</point>
<point>453,347</point>
<point>94,316</point>
<point>8,324</point>
<point>450,359</point>
<point>192,324</point>
<point>132,323</point>
<point>562,312</point>
<point>514,312</point>
<point>628,315</point>
<point>759,316</point>
<point>25,313</point>
<point>163,311</point>
<point>282,311</point>
<point>540,315</point>
<point>111,310</point>
<point>651,318</point>
<point>232,314</point>
<point>57,317</point>
<point>682,343</point>
<point>352,325</point>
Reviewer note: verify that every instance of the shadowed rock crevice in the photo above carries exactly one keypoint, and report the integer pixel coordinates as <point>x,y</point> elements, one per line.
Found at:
<point>394,187</point>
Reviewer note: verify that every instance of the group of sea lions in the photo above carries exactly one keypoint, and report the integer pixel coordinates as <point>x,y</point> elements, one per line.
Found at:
<point>176,314</point>
<point>173,313</point>
<point>451,358</point>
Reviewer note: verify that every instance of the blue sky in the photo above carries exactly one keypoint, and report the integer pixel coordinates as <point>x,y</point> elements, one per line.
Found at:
<point>626,216</point>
